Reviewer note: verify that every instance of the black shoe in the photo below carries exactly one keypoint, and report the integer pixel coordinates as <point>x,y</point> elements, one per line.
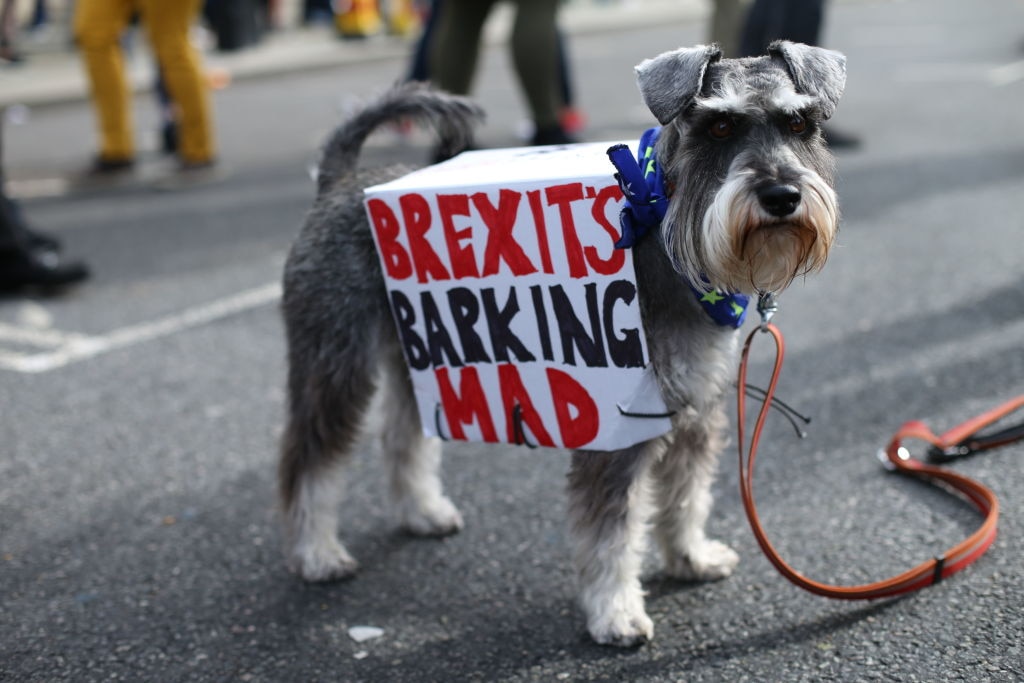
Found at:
<point>192,174</point>
<point>39,269</point>
<point>554,135</point>
<point>36,239</point>
<point>102,166</point>
<point>169,138</point>
<point>103,173</point>
<point>9,54</point>
<point>42,242</point>
<point>186,166</point>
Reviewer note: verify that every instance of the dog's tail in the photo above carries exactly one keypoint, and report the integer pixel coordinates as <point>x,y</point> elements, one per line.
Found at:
<point>453,117</point>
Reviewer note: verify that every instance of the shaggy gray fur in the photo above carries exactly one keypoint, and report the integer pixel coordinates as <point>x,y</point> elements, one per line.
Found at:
<point>335,306</point>
<point>752,208</point>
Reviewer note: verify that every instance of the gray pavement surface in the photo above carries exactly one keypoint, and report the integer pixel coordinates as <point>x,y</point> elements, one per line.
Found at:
<point>139,414</point>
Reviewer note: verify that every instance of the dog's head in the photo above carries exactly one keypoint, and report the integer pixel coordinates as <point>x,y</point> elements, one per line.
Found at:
<point>741,148</point>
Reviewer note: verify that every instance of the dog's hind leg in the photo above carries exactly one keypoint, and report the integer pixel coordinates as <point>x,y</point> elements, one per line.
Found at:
<point>607,511</point>
<point>413,460</point>
<point>682,487</point>
<point>328,402</point>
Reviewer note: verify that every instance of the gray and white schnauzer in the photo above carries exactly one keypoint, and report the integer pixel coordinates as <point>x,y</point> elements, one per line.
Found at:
<point>752,208</point>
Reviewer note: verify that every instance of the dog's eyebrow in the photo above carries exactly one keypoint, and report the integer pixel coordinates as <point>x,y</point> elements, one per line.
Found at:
<point>789,101</point>
<point>731,100</point>
<point>736,104</point>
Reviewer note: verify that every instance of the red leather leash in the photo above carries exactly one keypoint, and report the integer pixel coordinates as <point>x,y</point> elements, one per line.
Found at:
<point>950,443</point>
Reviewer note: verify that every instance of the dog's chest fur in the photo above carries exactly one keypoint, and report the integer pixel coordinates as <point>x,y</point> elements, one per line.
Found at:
<point>691,354</point>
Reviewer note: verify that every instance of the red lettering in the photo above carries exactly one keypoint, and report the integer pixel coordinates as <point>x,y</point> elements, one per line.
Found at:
<point>615,262</point>
<point>416,215</point>
<point>462,258</point>
<point>386,227</point>
<point>568,396</point>
<point>500,243</point>
<point>466,406</point>
<point>513,394</point>
<point>542,230</point>
<point>563,196</point>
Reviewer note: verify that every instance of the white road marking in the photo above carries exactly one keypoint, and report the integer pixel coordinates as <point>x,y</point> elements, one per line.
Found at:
<point>936,72</point>
<point>70,347</point>
<point>1006,74</point>
<point>961,72</point>
<point>924,363</point>
<point>33,337</point>
<point>37,188</point>
<point>32,315</point>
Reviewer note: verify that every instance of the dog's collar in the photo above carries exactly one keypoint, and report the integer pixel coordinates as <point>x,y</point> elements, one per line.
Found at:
<point>647,195</point>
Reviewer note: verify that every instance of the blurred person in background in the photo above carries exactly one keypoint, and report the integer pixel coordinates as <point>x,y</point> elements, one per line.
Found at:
<point>796,20</point>
<point>98,25</point>
<point>727,17</point>
<point>317,12</point>
<point>768,20</point>
<point>571,117</point>
<point>29,258</point>
<point>8,31</point>
<point>455,47</point>
<point>40,16</point>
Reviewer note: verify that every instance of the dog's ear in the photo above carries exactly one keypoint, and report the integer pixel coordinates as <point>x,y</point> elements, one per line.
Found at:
<point>669,81</point>
<point>816,71</point>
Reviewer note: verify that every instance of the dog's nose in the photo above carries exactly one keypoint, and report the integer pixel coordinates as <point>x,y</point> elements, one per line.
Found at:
<point>779,200</point>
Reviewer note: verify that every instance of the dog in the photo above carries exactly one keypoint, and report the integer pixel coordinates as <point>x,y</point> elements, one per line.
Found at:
<point>752,208</point>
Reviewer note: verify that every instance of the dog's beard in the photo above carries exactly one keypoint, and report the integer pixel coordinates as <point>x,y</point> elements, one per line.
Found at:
<point>742,248</point>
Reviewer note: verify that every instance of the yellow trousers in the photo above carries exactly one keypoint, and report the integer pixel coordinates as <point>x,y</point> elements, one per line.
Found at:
<point>98,27</point>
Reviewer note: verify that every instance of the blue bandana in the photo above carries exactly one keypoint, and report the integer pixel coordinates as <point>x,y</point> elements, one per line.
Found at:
<point>646,204</point>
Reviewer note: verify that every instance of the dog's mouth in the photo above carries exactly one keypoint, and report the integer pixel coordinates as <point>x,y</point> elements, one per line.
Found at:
<point>773,254</point>
<point>769,256</point>
<point>775,250</point>
<point>744,248</point>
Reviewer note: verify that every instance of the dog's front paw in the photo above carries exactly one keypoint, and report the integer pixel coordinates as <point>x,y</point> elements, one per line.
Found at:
<point>706,561</point>
<point>324,561</point>
<point>622,628</point>
<point>439,517</point>
<point>615,614</point>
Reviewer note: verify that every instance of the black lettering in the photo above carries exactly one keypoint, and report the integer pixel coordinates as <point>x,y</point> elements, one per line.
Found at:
<point>503,339</point>
<point>542,322</point>
<point>590,346</point>
<point>626,351</point>
<point>438,339</point>
<point>465,309</point>
<point>405,316</point>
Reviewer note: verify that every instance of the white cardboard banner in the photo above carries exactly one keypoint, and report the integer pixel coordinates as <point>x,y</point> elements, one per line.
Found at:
<point>519,319</point>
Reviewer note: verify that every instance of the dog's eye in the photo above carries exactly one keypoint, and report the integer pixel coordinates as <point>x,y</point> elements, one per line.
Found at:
<point>721,128</point>
<point>798,124</point>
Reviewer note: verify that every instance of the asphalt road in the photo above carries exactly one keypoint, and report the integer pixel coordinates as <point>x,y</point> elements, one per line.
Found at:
<point>140,413</point>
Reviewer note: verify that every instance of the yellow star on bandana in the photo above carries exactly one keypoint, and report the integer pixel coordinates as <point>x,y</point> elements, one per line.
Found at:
<point>712,297</point>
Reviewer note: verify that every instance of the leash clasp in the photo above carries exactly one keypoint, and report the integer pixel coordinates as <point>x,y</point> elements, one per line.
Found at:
<point>883,457</point>
<point>944,455</point>
<point>767,306</point>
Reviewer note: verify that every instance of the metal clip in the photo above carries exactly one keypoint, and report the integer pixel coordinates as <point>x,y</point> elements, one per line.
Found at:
<point>767,306</point>
<point>883,457</point>
<point>944,455</point>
